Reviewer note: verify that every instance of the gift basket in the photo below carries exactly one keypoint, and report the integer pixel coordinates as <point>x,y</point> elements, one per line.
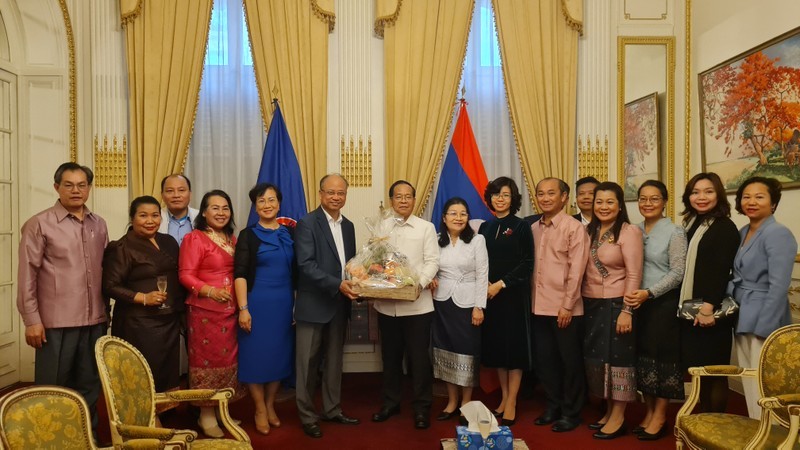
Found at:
<point>379,270</point>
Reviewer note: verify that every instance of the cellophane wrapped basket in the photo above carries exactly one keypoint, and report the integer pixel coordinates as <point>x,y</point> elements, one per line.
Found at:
<point>380,270</point>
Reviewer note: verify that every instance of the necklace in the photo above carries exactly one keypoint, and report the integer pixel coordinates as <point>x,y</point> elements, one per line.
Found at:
<point>223,242</point>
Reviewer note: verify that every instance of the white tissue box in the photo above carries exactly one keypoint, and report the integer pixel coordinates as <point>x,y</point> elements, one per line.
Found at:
<point>472,440</point>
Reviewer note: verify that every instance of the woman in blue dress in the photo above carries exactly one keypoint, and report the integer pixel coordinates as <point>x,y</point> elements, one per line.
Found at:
<point>263,272</point>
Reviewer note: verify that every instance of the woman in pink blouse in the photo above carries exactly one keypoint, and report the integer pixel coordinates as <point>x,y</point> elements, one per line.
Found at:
<point>613,270</point>
<point>206,270</point>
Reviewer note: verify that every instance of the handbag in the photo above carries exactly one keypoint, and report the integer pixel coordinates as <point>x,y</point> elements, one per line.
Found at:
<point>690,308</point>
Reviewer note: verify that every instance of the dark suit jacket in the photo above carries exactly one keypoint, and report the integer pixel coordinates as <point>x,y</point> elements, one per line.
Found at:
<point>578,217</point>
<point>319,268</point>
<point>530,220</point>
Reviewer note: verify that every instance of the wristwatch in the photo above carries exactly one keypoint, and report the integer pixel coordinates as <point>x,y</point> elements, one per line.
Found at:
<point>650,295</point>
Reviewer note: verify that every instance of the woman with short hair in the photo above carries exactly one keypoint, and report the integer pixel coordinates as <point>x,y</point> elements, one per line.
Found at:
<point>762,272</point>
<point>263,272</point>
<point>506,337</point>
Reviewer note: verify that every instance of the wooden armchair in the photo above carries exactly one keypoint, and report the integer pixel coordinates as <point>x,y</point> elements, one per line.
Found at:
<point>131,400</point>
<point>52,417</point>
<point>778,376</point>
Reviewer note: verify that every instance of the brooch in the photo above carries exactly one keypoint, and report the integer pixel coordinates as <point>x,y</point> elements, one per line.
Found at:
<point>508,232</point>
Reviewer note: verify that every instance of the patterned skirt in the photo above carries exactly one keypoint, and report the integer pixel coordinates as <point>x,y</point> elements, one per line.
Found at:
<point>658,367</point>
<point>610,358</point>
<point>213,351</point>
<point>456,344</point>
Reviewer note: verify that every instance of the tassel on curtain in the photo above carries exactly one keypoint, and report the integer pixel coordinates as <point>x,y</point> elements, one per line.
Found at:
<point>165,44</point>
<point>424,46</point>
<point>289,41</point>
<point>539,48</point>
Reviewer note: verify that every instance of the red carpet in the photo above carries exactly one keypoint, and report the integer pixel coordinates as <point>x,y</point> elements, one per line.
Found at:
<point>361,398</point>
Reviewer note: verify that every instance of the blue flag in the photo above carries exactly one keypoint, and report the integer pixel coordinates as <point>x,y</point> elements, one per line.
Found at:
<point>463,174</point>
<point>279,166</point>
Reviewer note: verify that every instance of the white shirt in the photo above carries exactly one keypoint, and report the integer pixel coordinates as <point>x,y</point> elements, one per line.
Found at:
<point>415,238</point>
<point>336,230</point>
<point>464,273</point>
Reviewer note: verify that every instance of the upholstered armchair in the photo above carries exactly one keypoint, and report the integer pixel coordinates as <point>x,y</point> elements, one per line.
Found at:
<point>51,417</point>
<point>778,375</point>
<point>131,400</point>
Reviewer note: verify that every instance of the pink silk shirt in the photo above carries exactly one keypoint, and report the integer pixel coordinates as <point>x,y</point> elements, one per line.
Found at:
<point>623,259</point>
<point>561,251</point>
<point>61,269</point>
<point>204,262</point>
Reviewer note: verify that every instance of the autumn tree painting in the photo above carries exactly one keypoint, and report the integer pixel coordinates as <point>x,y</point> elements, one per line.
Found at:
<point>751,114</point>
<point>641,138</point>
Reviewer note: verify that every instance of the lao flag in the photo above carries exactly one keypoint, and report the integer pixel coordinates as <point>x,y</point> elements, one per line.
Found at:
<point>279,166</point>
<point>463,174</point>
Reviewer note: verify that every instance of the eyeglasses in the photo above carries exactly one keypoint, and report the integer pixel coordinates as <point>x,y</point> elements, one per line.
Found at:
<point>651,200</point>
<point>335,193</point>
<point>453,214</point>
<point>503,196</point>
<point>79,186</point>
<point>400,198</point>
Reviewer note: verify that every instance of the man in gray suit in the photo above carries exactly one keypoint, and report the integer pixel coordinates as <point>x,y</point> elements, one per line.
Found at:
<point>323,242</point>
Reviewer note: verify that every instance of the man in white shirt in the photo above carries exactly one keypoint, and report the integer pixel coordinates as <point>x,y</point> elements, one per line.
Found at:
<point>406,326</point>
<point>177,218</point>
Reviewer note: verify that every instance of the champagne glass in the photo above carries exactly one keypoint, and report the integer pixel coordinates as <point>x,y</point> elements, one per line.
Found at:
<point>226,284</point>
<point>161,283</point>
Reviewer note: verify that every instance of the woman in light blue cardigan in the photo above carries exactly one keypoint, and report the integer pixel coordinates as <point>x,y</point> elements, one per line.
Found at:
<point>762,272</point>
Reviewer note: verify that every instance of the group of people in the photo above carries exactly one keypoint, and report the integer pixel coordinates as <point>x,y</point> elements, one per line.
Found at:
<point>588,302</point>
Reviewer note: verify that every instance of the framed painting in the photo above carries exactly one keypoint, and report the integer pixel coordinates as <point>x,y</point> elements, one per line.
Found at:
<point>750,114</point>
<point>642,143</point>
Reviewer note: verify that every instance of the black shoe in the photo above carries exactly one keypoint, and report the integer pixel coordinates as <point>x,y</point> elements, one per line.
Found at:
<point>508,422</point>
<point>566,424</point>
<point>497,413</point>
<point>342,419</point>
<point>447,415</point>
<point>607,436</point>
<point>638,430</point>
<point>421,421</point>
<point>547,418</point>
<point>312,430</point>
<point>463,421</point>
<point>385,413</point>
<point>645,436</point>
<point>596,426</point>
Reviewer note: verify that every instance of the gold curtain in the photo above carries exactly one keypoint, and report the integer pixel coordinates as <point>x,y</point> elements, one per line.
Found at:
<point>166,45</point>
<point>539,49</point>
<point>424,46</point>
<point>289,41</point>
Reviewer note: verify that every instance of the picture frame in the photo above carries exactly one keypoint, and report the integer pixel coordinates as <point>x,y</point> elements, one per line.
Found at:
<point>750,114</point>
<point>642,143</point>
